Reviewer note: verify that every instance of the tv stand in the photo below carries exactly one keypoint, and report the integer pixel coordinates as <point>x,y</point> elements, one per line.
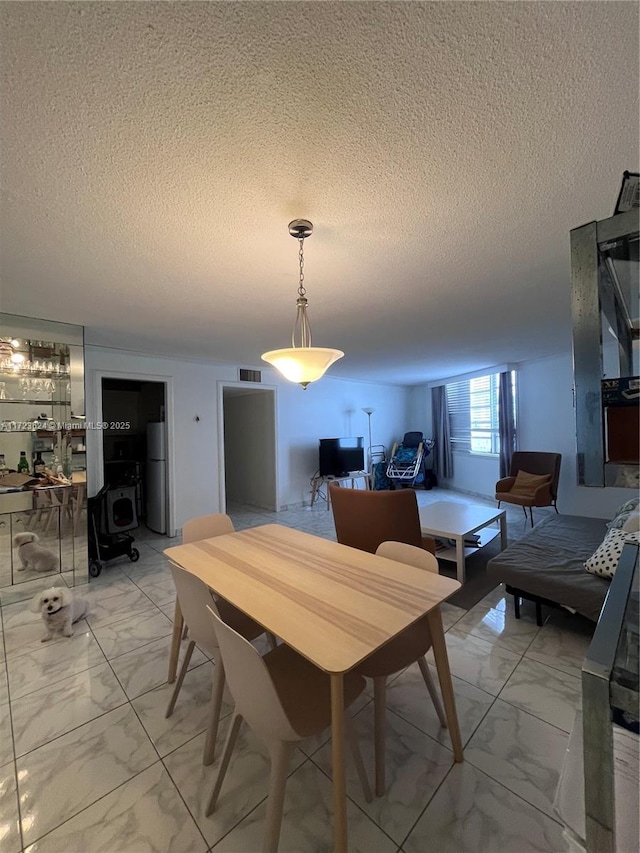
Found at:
<point>318,482</point>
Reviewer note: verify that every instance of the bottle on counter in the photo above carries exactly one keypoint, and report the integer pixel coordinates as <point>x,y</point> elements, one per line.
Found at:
<point>23,463</point>
<point>56,466</point>
<point>38,464</point>
<point>3,465</point>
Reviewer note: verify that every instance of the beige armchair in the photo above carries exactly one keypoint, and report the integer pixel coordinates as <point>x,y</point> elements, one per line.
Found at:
<point>532,481</point>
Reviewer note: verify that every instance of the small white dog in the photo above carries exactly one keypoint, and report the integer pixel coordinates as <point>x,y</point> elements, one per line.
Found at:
<point>59,610</point>
<point>34,556</point>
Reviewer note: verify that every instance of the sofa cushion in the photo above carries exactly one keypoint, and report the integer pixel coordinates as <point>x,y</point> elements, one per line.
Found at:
<point>527,484</point>
<point>548,562</point>
<point>604,561</point>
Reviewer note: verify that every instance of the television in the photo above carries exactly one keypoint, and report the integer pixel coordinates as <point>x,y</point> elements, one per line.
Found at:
<point>338,456</point>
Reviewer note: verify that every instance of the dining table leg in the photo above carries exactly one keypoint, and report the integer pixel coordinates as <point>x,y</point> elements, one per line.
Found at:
<point>438,644</point>
<point>339,773</point>
<point>176,637</point>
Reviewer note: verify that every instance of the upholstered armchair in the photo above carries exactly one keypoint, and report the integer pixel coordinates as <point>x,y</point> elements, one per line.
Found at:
<point>532,481</point>
<point>365,519</point>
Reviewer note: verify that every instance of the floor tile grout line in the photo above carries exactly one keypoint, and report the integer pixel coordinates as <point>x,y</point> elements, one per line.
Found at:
<point>90,805</point>
<point>531,714</point>
<point>428,803</point>
<point>130,701</point>
<point>483,773</point>
<point>166,770</point>
<point>522,797</point>
<point>132,707</point>
<point>73,729</point>
<point>354,802</point>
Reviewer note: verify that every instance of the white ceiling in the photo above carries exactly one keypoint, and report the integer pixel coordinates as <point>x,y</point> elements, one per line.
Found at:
<point>153,154</point>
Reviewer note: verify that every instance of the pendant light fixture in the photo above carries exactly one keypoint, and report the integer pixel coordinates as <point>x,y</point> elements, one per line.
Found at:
<point>302,363</point>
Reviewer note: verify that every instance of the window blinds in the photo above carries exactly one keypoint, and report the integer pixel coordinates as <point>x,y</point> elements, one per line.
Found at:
<point>473,414</point>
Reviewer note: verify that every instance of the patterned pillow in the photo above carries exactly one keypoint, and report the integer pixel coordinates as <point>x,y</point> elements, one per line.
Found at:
<point>632,524</point>
<point>618,521</point>
<point>604,560</point>
<point>629,506</point>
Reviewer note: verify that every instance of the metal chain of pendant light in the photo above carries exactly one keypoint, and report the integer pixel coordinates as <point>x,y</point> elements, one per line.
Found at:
<point>302,362</point>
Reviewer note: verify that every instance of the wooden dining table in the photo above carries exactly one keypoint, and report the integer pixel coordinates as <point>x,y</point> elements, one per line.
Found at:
<point>333,604</point>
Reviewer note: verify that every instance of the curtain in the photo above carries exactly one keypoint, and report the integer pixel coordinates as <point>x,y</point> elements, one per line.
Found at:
<point>506,423</point>
<point>443,458</point>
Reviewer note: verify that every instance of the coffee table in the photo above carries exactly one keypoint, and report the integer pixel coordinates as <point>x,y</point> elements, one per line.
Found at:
<point>448,520</point>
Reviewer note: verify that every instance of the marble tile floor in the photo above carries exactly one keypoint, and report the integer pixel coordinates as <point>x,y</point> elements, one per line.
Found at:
<point>89,764</point>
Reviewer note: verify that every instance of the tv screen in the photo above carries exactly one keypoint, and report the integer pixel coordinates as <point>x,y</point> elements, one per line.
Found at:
<point>338,456</point>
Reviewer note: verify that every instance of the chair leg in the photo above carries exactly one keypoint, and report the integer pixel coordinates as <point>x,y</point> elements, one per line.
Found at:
<point>217,691</point>
<point>174,654</point>
<point>183,672</point>
<point>555,506</point>
<point>524,510</point>
<point>499,502</point>
<point>185,632</point>
<point>354,746</point>
<point>531,514</point>
<point>281,752</point>
<point>232,736</point>
<point>538,614</point>
<point>516,605</point>
<point>380,722</point>
<point>424,669</point>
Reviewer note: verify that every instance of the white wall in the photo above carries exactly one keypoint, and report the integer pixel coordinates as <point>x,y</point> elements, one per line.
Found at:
<point>329,408</point>
<point>546,421</point>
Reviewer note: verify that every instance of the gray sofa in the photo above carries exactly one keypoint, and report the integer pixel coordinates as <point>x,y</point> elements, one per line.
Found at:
<point>547,566</point>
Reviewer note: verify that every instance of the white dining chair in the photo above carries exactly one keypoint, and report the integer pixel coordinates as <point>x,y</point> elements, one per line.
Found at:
<point>408,647</point>
<point>194,597</point>
<point>203,527</point>
<point>284,698</point>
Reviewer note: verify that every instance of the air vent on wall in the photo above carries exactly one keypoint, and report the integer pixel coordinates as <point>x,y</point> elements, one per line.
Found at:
<point>250,375</point>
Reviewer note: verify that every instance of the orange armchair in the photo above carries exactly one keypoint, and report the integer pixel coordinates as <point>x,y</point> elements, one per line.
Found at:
<point>365,519</point>
<point>532,481</point>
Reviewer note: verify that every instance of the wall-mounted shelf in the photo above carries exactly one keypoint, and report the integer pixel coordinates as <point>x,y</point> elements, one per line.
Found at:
<point>37,402</point>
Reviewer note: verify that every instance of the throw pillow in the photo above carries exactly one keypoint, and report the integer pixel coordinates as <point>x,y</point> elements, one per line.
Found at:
<point>618,521</point>
<point>632,524</point>
<point>527,484</point>
<point>604,560</point>
<point>629,506</point>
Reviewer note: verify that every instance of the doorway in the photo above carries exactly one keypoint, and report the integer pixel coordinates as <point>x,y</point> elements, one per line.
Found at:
<point>134,445</point>
<point>248,446</point>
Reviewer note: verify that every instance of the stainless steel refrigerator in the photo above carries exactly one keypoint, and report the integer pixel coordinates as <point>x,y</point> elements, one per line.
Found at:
<point>156,478</point>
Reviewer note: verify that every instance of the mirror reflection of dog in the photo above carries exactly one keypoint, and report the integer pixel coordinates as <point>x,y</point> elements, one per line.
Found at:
<point>59,610</point>
<point>32,555</point>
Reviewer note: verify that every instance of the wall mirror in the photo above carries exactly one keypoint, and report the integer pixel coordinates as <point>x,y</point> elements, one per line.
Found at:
<point>43,492</point>
<point>606,329</point>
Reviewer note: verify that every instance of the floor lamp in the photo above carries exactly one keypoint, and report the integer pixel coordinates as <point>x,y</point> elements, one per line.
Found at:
<point>368,412</point>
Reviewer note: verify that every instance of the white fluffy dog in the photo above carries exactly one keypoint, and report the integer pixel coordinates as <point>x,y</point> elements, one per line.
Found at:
<point>59,610</point>
<point>34,556</point>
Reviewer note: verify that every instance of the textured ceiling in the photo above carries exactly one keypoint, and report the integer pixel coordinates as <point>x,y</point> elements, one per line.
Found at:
<point>153,154</point>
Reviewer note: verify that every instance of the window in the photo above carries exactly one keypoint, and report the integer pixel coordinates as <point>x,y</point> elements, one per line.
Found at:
<point>473,413</point>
